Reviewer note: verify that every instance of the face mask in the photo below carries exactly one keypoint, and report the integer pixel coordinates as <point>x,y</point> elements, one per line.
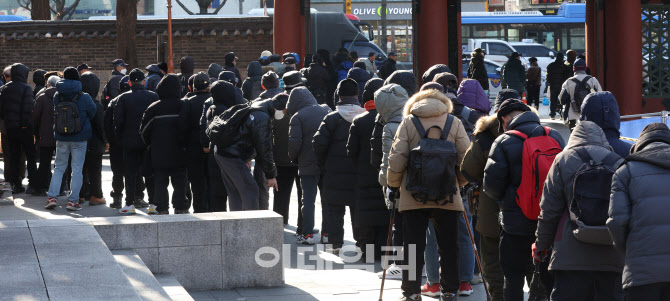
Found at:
<point>123,71</point>
<point>279,115</point>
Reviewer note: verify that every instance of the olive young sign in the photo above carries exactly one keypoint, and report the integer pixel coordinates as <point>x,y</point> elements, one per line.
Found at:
<point>374,12</point>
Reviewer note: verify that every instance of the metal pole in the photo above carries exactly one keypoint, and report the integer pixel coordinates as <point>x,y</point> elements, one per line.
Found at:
<point>383,39</point>
<point>170,57</point>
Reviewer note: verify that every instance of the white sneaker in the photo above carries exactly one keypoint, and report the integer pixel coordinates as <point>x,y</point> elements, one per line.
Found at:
<point>393,272</point>
<point>152,209</point>
<point>306,239</point>
<point>128,210</point>
<point>477,279</point>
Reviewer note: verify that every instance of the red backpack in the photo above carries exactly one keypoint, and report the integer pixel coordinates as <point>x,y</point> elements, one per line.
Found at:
<point>538,155</point>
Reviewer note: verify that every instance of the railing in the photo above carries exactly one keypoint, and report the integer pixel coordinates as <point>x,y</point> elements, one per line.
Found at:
<point>632,128</point>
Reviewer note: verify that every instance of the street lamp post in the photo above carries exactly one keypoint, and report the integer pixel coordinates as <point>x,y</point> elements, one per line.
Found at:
<point>170,58</point>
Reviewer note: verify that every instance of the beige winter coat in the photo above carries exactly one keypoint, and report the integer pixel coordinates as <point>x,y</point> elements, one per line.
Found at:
<point>432,108</point>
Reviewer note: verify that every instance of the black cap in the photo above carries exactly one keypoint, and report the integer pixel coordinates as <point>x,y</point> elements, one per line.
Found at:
<point>279,101</point>
<point>515,55</point>
<point>290,60</point>
<point>119,62</point>
<point>201,81</point>
<point>136,75</point>
<point>163,66</point>
<point>83,66</point>
<point>293,79</point>
<point>71,73</point>
<point>503,95</point>
<point>391,53</point>
<point>509,106</point>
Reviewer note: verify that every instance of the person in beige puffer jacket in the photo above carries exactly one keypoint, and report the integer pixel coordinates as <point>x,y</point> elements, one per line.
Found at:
<point>432,108</point>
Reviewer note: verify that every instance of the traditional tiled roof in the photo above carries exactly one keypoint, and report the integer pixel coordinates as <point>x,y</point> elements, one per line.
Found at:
<point>100,29</point>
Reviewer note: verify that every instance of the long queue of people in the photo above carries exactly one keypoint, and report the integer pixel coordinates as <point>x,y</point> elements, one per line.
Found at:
<point>427,163</point>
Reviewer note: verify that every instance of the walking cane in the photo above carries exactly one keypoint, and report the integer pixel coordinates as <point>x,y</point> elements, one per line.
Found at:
<point>474,248</point>
<point>388,246</point>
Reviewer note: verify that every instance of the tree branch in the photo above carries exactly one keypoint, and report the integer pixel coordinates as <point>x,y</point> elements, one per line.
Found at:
<point>70,10</point>
<point>220,7</point>
<point>184,8</point>
<point>26,5</point>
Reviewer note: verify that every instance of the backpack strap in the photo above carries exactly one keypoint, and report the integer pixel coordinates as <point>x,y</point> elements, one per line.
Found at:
<point>465,113</point>
<point>447,126</point>
<point>612,160</point>
<point>76,97</point>
<point>547,130</point>
<point>586,80</point>
<point>584,154</point>
<point>517,134</point>
<point>418,125</point>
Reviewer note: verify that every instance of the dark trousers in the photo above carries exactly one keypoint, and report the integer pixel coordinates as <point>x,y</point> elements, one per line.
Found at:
<point>92,174</point>
<point>308,185</point>
<point>397,235</point>
<point>163,177</point>
<point>516,262</point>
<point>415,224</point>
<point>372,238</point>
<point>533,95</point>
<point>44,170</point>
<point>262,182</point>
<point>132,161</point>
<point>21,141</point>
<point>116,164</point>
<point>587,286</point>
<point>649,292</point>
<point>335,223</point>
<point>196,164</point>
<point>286,176</point>
<point>490,258</point>
<point>572,124</point>
<point>240,185</point>
<point>216,194</point>
<point>553,100</point>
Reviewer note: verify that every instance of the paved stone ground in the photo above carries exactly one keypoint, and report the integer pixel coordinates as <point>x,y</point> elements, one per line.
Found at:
<point>339,281</point>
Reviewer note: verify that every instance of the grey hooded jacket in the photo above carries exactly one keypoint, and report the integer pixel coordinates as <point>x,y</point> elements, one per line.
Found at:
<point>638,215</point>
<point>306,116</point>
<point>554,225</point>
<point>390,101</point>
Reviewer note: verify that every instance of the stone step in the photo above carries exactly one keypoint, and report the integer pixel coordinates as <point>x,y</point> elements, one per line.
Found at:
<point>173,288</point>
<point>140,276</point>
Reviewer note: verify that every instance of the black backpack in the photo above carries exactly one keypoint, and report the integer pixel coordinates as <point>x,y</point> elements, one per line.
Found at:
<point>582,89</point>
<point>469,126</point>
<point>66,117</point>
<point>590,200</point>
<point>430,170</point>
<point>224,129</point>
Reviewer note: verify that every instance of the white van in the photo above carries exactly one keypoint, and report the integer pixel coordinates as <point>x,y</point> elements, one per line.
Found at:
<point>496,50</point>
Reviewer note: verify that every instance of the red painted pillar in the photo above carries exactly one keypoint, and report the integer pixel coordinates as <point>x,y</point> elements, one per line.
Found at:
<point>288,28</point>
<point>623,54</point>
<point>591,38</point>
<point>431,35</point>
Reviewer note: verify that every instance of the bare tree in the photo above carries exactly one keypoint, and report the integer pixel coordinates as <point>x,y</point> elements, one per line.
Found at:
<point>126,23</point>
<point>202,5</point>
<point>57,8</point>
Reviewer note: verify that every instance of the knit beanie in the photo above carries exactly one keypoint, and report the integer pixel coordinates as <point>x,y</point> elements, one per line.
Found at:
<point>270,80</point>
<point>71,73</point>
<point>509,106</point>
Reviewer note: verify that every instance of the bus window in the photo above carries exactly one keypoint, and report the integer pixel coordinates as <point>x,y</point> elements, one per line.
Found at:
<point>513,35</point>
<point>577,38</point>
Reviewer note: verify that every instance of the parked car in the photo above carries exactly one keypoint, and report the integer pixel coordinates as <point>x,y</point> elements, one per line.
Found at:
<point>544,54</point>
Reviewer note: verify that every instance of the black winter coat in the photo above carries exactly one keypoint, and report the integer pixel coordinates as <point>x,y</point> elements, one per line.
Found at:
<point>16,99</point>
<point>370,203</point>
<point>108,124</point>
<point>224,96</point>
<point>306,116</point>
<point>477,70</point>
<point>502,175</point>
<point>231,68</point>
<point>43,118</point>
<point>255,139</point>
<point>339,173</point>
<point>556,75</point>
<point>112,88</point>
<point>160,127</point>
<point>387,69</point>
<point>280,130</point>
<point>376,144</point>
<point>252,88</point>
<point>128,116</point>
<point>189,117</point>
<point>90,83</point>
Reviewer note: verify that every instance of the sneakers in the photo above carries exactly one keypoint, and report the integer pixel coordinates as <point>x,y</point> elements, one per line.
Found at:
<point>18,188</point>
<point>181,211</point>
<point>163,212</point>
<point>30,190</point>
<point>393,272</point>
<point>431,290</point>
<point>553,117</point>
<point>477,279</point>
<point>152,210</point>
<point>73,206</point>
<point>141,204</point>
<point>306,239</point>
<point>39,192</point>
<point>324,238</point>
<point>128,210</point>
<point>415,297</point>
<point>448,297</point>
<point>465,289</point>
<point>92,201</point>
<point>51,203</point>
<point>117,203</point>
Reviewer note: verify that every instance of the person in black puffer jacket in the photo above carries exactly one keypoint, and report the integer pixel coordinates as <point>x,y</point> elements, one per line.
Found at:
<point>16,107</point>
<point>43,120</point>
<point>318,79</point>
<point>638,215</point>
<point>430,74</point>
<point>154,77</point>
<point>186,66</point>
<point>253,141</point>
<point>39,81</point>
<point>339,175</point>
<point>230,77</point>
<point>502,177</point>
<point>373,216</point>
<point>166,144</point>
<point>128,114</point>
<point>477,68</point>
<point>270,82</point>
<point>556,76</point>
<point>252,88</point>
<point>405,79</point>
<point>92,172</point>
<point>196,158</point>
<point>361,76</point>
<point>287,171</point>
<point>229,65</point>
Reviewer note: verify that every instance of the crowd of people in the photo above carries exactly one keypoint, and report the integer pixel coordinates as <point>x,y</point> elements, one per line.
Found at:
<point>426,163</point>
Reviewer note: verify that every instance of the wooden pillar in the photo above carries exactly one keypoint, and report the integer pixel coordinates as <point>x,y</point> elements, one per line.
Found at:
<point>431,35</point>
<point>289,27</point>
